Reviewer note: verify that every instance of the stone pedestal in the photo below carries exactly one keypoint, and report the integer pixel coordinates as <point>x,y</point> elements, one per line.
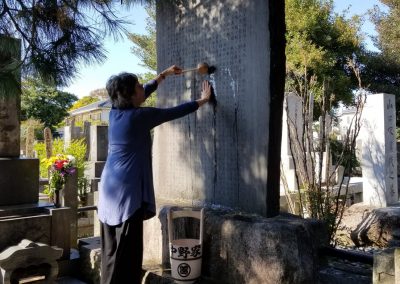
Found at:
<point>379,152</point>
<point>246,248</point>
<point>384,267</point>
<point>31,224</point>
<point>60,236</point>
<point>69,198</point>
<point>37,222</point>
<point>19,181</point>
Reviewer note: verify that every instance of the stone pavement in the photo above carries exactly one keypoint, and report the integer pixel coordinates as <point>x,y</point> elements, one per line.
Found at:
<point>68,280</point>
<point>341,271</point>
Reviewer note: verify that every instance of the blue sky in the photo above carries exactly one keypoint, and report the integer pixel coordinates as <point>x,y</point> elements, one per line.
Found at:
<point>121,59</point>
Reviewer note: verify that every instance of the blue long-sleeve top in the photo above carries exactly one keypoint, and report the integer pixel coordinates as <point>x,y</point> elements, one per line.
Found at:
<point>127,179</point>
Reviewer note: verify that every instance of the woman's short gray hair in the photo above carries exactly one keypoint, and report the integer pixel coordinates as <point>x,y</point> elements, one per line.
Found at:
<point>121,88</point>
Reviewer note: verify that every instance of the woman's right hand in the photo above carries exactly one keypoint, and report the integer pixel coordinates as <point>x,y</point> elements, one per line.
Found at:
<point>205,93</point>
<point>172,70</point>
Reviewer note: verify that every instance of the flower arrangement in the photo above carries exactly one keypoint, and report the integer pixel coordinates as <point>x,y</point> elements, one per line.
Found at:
<point>61,166</point>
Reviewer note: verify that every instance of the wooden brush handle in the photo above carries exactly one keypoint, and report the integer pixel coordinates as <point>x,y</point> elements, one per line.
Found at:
<point>189,70</point>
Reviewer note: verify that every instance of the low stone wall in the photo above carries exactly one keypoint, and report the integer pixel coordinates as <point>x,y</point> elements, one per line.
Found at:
<point>240,247</point>
<point>364,225</point>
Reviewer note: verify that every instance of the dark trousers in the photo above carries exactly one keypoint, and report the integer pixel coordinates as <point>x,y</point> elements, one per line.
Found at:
<point>122,251</point>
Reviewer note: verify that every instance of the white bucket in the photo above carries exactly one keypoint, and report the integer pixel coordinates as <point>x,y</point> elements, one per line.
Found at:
<point>185,260</point>
<point>185,254</point>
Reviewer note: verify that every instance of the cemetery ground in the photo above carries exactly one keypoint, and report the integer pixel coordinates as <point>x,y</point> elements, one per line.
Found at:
<point>365,240</point>
<point>290,212</point>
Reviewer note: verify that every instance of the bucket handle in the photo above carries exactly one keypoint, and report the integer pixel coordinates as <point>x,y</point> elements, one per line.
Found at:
<point>185,213</point>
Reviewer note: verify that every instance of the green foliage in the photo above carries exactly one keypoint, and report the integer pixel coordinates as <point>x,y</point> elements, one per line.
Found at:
<point>86,100</point>
<point>381,72</point>
<point>388,27</point>
<point>9,66</point>
<point>145,49</point>
<point>58,35</point>
<point>349,159</point>
<point>318,45</point>
<point>77,148</point>
<point>44,103</point>
<point>152,100</point>
<point>145,45</point>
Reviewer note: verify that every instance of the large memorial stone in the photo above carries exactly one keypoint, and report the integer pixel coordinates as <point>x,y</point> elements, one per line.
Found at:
<point>10,104</point>
<point>19,178</point>
<point>379,153</point>
<point>219,154</point>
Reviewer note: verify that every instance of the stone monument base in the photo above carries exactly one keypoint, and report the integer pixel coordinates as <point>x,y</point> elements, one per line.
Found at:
<point>246,248</point>
<point>237,247</point>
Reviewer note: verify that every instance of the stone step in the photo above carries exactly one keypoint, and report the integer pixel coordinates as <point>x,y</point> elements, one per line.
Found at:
<point>331,275</point>
<point>156,275</point>
<point>341,271</point>
<point>68,280</point>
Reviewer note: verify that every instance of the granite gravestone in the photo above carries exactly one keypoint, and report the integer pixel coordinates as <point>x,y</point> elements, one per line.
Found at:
<point>218,155</point>
<point>292,127</point>
<point>379,153</point>
<point>19,178</point>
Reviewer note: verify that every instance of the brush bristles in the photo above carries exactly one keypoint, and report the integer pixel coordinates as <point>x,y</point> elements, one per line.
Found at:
<point>211,69</point>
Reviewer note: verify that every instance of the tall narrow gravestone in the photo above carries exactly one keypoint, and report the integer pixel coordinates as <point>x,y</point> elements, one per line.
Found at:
<point>379,153</point>
<point>19,178</point>
<point>220,154</point>
<point>292,127</point>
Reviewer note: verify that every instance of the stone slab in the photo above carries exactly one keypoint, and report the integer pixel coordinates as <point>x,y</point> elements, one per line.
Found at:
<point>24,209</point>
<point>98,143</point>
<point>94,169</point>
<point>90,253</point>
<point>383,269</point>
<point>69,198</point>
<point>35,228</point>
<point>94,184</point>
<point>71,133</point>
<point>60,236</point>
<point>19,181</point>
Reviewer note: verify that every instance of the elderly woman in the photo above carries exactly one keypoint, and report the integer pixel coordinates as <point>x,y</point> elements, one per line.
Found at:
<point>126,193</point>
